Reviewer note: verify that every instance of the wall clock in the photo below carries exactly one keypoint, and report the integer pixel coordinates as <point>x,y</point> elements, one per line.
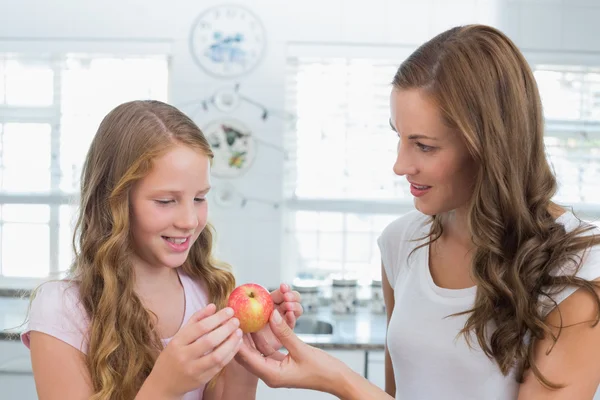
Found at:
<point>227,41</point>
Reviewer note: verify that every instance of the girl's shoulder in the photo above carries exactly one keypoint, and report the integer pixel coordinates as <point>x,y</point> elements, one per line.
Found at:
<point>57,297</point>
<point>56,310</point>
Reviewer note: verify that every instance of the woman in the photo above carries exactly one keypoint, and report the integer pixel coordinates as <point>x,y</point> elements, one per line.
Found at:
<point>491,288</point>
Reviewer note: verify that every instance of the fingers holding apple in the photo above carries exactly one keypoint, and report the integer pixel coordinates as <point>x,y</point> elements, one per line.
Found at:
<point>252,306</point>
<point>287,303</point>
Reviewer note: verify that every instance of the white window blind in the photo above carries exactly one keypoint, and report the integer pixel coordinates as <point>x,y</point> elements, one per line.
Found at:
<point>50,108</point>
<point>340,188</point>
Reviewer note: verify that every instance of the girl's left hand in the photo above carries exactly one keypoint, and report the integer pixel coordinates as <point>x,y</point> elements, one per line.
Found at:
<point>287,302</point>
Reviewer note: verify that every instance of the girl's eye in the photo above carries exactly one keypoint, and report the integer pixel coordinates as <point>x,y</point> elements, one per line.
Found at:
<point>199,199</point>
<point>164,201</point>
<point>424,148</point>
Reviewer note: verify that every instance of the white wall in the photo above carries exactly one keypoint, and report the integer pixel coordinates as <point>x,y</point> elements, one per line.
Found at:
<point>251,238</point>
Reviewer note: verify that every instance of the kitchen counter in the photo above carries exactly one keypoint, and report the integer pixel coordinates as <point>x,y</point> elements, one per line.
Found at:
<point>360,331</point>
<point>13,311</point>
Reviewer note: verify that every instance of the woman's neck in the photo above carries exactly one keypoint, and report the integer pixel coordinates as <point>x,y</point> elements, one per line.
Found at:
<point>456,228</point>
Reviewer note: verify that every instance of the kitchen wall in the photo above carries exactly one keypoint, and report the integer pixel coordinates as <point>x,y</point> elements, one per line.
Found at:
<point>250,238</point>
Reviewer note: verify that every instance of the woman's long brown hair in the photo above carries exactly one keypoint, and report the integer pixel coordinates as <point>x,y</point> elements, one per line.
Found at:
<point>485,89</point>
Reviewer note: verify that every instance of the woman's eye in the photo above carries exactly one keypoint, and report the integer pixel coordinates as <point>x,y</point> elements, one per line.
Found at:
<point>164,201</point>
<point>424,148</point>
<point>199,199</point>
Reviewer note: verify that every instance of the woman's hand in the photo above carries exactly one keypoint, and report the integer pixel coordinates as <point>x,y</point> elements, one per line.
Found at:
<point>287,302</point>
<point>207,343</point>
<point>306,367</point>
<point>303,367</point>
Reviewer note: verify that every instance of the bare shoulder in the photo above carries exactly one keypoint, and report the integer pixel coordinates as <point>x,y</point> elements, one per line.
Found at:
<point>69,381</point>
<point>571,361</point>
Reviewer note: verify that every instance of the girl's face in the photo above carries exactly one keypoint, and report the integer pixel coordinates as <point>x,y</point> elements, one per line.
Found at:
<point>432,156</point>
<point>169,208</point>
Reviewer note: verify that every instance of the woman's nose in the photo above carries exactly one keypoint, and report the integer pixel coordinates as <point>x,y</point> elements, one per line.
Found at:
<point>404,164</point>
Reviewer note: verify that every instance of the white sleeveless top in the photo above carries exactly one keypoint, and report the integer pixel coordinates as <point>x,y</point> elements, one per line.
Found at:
<point>429,361</point>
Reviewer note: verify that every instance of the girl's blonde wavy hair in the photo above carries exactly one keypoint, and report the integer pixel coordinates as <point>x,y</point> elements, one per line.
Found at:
<point>485,89</point>
<point>123,345</point>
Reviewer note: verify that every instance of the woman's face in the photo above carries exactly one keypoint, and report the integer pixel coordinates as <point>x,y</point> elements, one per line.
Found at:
<point>432,156</point>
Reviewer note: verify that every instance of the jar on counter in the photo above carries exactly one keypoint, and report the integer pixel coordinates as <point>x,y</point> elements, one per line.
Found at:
<point>377,302</point>
<point>343,295</point>
<point>309,295</point>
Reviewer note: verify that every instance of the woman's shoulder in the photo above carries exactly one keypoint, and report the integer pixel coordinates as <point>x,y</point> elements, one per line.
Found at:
<point>584,265</point>
<point>587,229</point>
<point>399,239</point>
<point>570,221</point>
<point>589,268</point>
<point>409,226</point>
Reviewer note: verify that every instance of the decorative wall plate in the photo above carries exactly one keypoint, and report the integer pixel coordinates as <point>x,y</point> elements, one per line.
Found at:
<point>227,41</point>
<point>233,145</point>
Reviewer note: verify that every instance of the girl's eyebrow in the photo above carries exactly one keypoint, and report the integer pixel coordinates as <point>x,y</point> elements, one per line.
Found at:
<point>177,192</point>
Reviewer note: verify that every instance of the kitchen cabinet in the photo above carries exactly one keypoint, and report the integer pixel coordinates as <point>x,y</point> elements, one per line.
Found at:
<point>376,368</point>
<point>16,378</point>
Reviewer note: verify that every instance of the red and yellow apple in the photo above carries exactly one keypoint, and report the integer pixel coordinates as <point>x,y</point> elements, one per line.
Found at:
<point>252,305</point>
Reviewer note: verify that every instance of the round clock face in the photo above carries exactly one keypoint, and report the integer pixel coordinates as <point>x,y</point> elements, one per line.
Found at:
<point>227,41</point>
<point>233,146</point>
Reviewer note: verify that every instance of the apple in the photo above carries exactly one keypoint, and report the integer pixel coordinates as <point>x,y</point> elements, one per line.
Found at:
<point>252,305</point>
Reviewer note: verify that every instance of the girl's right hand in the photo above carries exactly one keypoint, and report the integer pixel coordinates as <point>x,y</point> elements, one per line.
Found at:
<point>206,344</point>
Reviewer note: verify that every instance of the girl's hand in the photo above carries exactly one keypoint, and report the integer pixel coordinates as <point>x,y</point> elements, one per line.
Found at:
<point>287,303</point>
<point>207,343</point>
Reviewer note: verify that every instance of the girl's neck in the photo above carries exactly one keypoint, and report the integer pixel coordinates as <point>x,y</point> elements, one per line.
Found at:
<point>150,279</point>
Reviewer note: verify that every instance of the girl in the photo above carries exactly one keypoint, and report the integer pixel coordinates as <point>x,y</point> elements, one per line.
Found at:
<point>492,289</point>
<point>137,317</point>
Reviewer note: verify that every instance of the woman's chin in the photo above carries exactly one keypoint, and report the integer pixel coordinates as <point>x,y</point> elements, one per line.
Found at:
<point>424,209</point>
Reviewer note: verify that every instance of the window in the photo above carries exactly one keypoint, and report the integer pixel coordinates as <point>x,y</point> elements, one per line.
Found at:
<point>571,101</point>
<point>340,188</point>
<point>50,108</point>
<point>339,182</point>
